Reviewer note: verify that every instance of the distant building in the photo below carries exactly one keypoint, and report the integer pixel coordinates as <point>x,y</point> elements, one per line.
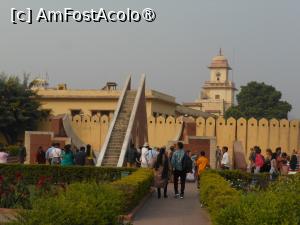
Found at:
<point>218,94</point>
<point>103,101</point>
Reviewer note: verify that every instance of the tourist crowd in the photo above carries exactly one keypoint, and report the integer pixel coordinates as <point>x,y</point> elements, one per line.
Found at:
<point>177,164</point>
<point>65,156</point>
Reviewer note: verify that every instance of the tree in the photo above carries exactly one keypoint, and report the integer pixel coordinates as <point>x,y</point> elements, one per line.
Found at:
<point>19,107</point>
<point>259,100</point>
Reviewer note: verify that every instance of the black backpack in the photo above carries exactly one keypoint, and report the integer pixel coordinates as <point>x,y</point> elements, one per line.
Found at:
<point>187,164</point>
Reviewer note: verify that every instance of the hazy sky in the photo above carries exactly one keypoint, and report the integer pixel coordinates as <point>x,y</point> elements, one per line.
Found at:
<point>260,38</point>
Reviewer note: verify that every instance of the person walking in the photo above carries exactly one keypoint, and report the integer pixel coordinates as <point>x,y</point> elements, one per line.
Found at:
<point>177,165</point>
<point>143,159</point>
<point>56,154</point>
<point>259,160</point>
<point>202,164</point>
<point>130,156</point>
<point>89,160</point>
<point>41,156</point>
<point>225,163</point>
<point>161,172</point>
<point>252,160</point>
<point>22,154</point>
<point>80,157</point>
<point>218,157</point>
<point>274,169</point>
<point>49,155</point>
<point>294,161</point>
<point>67,156</point>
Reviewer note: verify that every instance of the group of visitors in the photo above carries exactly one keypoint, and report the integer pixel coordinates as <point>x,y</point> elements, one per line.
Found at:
<point>21,155</point>
<point>275,163</point>
<point>173,164</point>
<point>66,156</point>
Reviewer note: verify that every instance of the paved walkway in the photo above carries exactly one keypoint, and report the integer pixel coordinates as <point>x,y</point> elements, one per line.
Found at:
<point>173,211</point>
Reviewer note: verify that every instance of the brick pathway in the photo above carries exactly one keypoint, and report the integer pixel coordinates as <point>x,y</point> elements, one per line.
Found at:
<point>173,211</point>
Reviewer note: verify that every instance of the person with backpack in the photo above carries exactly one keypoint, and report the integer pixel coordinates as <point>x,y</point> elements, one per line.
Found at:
<point>259,160</point>
<point>180,163</point>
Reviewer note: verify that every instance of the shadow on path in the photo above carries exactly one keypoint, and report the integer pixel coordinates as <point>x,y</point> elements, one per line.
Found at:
<point>173,211</point>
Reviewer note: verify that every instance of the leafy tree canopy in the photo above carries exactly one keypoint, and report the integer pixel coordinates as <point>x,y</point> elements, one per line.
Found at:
<point>19,109</point>
<point>259,100</point>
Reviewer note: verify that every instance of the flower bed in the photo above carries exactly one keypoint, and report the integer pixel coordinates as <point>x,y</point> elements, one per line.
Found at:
<point>89,202</point>
<point>277,204</point>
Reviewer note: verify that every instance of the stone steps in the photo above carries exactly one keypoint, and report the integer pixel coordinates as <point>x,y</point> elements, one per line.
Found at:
<point>114,146</point>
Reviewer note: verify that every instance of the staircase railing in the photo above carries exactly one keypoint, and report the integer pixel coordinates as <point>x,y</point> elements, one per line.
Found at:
<point>127,138</point>
<point>126,87</point>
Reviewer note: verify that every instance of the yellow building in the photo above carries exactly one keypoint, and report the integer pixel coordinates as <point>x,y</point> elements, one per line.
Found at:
<point>218,93</point>
<point>61,100</point>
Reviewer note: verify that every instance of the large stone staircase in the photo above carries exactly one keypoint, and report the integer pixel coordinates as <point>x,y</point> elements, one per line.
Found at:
<point>116,140</point>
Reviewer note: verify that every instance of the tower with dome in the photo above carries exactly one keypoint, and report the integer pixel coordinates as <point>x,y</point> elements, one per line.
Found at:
<point>218,93</point>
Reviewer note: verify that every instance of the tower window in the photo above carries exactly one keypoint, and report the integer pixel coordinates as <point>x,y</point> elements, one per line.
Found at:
<point>218,75</point>
<point>217,97</point>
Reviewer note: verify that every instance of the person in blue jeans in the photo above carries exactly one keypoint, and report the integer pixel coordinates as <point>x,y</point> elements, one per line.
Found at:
<point>178,170</point>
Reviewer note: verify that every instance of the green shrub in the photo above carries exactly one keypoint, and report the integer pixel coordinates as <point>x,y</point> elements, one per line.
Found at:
<point>90,203</point>
<point>135,187</point>
<point>82,203</point>
<point>216,193</point>
<point>278,204</point>
<point>13,150</point>
<point>63,174</point>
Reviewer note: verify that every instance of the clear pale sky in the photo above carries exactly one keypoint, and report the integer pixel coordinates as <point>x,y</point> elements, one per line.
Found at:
<point>260,38</point>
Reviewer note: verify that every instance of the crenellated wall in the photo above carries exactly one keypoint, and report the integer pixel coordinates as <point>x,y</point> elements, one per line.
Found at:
<point>264,133</point>
<point>161,130</point>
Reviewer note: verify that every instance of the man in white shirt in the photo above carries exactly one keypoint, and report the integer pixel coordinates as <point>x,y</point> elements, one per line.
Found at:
<point>49,155</point>
<point>225,163</point>
<point>144,163</point>
<point>56,154</point>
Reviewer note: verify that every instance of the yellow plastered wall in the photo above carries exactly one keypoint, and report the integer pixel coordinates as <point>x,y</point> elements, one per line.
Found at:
<point>210,127</point>
<point>161,130</point>
<point>200,126</point>
<point>91,130</point>
<point>241,133</point>
<point>263,133</point>
<point>284,135</point>
<point>274,134</point>
<point>294,135</point>
<point>252,131</point>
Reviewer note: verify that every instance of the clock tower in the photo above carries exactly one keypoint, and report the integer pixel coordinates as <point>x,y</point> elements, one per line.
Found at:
<point>218,93</point>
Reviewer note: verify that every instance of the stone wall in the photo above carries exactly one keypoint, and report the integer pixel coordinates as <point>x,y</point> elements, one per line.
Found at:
<point>264,133</point>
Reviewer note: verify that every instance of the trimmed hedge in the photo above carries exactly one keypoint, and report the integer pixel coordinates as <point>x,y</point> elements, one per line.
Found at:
<point>82,203</point>
<point>90,203</point>
<point>63,174</point>
<point>135,187</point>
<point>278,204</point>
<point>216,193</point>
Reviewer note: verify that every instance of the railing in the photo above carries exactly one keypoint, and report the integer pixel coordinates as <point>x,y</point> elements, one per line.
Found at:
<point>126,142</point>
<point>127,86</point>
